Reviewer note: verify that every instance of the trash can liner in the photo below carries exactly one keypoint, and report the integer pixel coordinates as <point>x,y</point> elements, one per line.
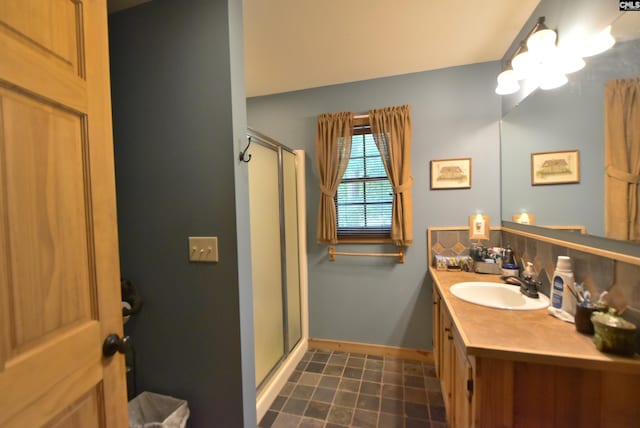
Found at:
<point>151,410</point>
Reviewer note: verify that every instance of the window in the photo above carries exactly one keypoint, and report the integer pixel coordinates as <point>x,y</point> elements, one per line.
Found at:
<point>365,195</point>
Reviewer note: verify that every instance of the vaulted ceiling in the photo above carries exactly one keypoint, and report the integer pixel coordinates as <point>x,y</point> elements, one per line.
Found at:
<point>300,44</point>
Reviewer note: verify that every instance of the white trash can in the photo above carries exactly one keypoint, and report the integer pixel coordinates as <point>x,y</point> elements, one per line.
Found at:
<point>151,410</point>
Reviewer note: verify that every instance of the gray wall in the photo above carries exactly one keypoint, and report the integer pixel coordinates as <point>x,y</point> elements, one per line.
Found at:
<point>179,115</point>
<point>455,113</point>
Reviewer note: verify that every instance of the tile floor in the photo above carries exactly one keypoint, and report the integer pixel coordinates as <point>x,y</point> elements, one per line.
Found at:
<point>338,389</point>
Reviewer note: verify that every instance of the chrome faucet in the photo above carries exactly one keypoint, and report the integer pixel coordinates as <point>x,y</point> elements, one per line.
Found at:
<point>528,286</point>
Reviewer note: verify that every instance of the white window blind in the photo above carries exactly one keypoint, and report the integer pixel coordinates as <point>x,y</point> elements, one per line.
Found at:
<point>365,195</point>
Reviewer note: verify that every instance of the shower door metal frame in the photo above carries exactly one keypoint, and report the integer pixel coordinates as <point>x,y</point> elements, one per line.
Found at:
<point>267,142</point>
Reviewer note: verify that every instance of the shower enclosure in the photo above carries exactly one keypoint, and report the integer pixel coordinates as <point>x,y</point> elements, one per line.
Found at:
<point>278,259</point>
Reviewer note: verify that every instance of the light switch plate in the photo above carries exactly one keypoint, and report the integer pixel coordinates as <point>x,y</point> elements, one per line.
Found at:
<point>203,249</point>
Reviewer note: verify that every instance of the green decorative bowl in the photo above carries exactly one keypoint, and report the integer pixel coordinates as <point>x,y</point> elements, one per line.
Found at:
<point>613,334</point>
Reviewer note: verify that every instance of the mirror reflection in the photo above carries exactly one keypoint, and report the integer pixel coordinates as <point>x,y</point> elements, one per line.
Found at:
<point>566,119</point>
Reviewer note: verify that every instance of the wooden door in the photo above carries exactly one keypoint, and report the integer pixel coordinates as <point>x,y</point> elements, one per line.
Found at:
<point>59,268</point>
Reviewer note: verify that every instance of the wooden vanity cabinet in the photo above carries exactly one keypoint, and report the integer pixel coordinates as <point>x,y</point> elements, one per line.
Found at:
<point>493,391</point>
<point>452,366</point>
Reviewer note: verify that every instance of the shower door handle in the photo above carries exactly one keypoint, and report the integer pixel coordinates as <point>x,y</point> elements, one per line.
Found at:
<point>114,343</point>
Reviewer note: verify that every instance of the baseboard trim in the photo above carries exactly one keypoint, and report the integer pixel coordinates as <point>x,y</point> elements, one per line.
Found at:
<point>372,349</point>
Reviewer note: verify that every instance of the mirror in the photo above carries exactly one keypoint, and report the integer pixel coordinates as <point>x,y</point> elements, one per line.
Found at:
<point>566,119</point>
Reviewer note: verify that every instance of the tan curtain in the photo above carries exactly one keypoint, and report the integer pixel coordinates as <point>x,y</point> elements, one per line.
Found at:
<point>622,159</point>
<point>391,129</point>
<point>333,148</point>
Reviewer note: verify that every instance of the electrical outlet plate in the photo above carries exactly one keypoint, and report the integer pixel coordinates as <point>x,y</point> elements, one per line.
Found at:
<point>203,249</point>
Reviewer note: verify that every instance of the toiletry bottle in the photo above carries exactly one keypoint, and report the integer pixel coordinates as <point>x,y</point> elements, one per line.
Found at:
<point>561,297</point>
<point>509,266</point>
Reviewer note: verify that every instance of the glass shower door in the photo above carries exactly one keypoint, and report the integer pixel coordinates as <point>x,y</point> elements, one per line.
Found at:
<point>292,262</point>
<point>264,200</point>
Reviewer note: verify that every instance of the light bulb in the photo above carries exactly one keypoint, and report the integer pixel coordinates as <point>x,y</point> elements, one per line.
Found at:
<point>541,44</point>
<point>523,65</point>
<point>507,83</point>
<point>598,43</point>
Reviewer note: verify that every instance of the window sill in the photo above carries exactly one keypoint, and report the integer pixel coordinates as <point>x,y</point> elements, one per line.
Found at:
<point>364,240</point>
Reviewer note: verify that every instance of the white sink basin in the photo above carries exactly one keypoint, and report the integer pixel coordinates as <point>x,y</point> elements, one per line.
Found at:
<point>496,295</point>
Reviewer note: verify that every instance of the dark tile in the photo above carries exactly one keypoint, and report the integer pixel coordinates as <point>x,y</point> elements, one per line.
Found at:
<point>368,402</point>
<point>317,410</point>
<point>392,378</point>
<point>320,358</point>
<point>302,391</point>
<point>331,425</point>
<point>324,394</point>
<point>429,371</point>
<point>352,373</point>
<point>329,382</point>
<point>393,391</point>
<point>393,366</point>
<point>416,411</point>
<point>370,388</point>
<point>414,381</point>
<point>311,379</point>
<point>295,376</point>
<point>345,399</point>
<point>416,423</point>
<point>286,420</point>
<point>295,406</point>
<point>373,364</point>
<point>307,356</point>
<point>340,415</point>
<point>268,419</point>
<point>365,419</point>
<point>333,370</point>
<point>372,375</point>
<point>287,388</point>
<point>415,395</point>
<point>278,402</point>
<point>390,421</point>
<point>374,357</point>
<point>437,413</point>
<point>395,407</point>
<point>413,369</point>
<point>357,355</point>
<point>432,384</point>
<point>315,367</point>
<point>338,360</point>
<point>435,397</point>
<point>302,365</point>
<point>349,385</point>
<point>355,362</point>
<point>311,423</point>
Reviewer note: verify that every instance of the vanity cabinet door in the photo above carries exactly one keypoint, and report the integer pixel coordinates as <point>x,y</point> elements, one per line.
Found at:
<point>447,361</point>
<point>437,332</point>
<point>462,393</point>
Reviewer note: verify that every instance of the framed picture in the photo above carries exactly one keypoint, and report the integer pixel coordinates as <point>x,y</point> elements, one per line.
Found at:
<point>451,174</point>
<point>555,167</point>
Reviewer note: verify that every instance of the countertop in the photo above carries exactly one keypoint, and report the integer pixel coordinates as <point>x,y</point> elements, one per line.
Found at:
<point>527,336</point>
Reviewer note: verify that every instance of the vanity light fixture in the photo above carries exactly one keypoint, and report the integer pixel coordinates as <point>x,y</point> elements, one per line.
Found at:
<point>598,43</point>
<point>539,61</point>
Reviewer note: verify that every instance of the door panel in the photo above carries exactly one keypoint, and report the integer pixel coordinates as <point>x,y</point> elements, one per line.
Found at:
<point>43,187</point>
<point>59,271</point>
